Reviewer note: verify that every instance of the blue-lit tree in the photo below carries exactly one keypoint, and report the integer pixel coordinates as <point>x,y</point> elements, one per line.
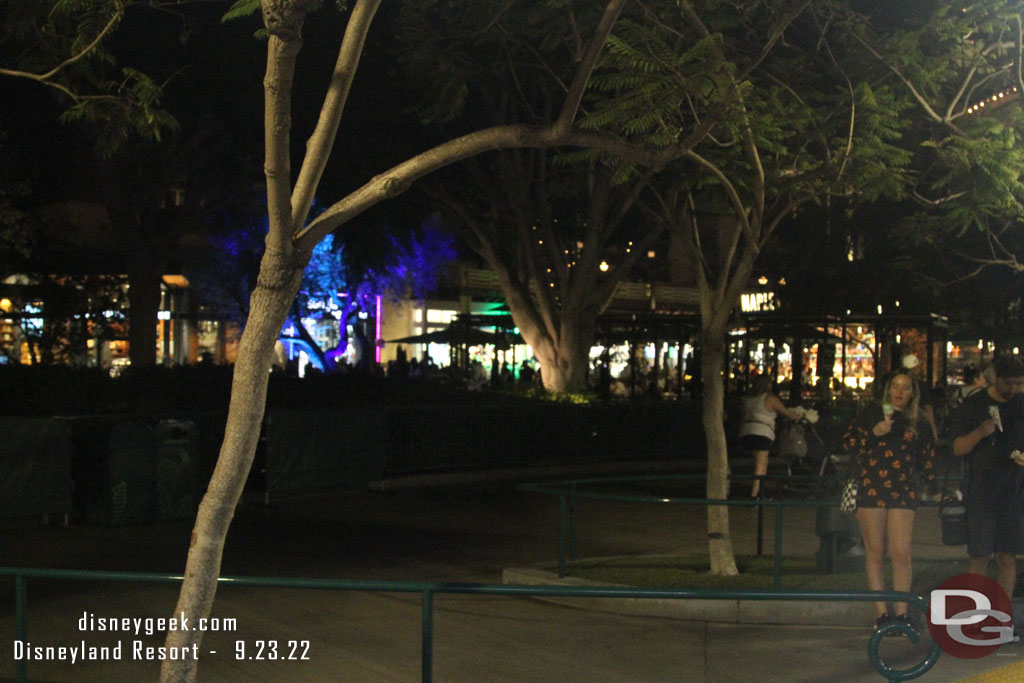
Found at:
<point>335,288</point>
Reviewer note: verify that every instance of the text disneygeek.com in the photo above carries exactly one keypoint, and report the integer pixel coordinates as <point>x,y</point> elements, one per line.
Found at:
<point>137,649</point>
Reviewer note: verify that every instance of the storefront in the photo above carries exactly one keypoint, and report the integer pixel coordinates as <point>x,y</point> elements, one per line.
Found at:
<point>842,354</point>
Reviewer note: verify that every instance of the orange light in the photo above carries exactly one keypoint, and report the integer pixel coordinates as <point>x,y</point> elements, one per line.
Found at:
<point>176,281</point>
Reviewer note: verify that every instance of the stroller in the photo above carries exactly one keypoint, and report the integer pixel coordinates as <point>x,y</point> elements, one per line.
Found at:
<point>799,449</point>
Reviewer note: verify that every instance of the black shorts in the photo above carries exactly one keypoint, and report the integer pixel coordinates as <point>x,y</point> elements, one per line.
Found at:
<point>995,511</point>
<point>755,442</point>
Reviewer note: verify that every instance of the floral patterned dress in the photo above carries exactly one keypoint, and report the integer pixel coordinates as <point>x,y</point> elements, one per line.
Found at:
<point>889,468</point>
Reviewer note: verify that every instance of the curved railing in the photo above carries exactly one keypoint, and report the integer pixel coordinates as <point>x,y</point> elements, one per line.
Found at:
<point>429,590</point>
<point>568,491</point>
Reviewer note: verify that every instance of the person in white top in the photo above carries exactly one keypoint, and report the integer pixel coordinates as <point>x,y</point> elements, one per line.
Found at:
<point>757,433</point>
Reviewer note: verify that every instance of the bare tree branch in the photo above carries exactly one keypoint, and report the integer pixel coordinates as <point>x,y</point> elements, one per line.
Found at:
<point>321,142</point>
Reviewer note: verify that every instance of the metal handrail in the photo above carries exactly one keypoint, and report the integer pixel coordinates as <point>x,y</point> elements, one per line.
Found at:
<point>569,490</point>
<point>429,589</point>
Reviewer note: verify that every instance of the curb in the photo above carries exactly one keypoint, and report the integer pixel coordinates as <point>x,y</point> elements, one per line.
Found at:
<point>762,612</point>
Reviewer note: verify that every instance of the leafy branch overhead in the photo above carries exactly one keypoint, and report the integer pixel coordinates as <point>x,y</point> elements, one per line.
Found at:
<point>64,46</point>
<point>958,70</point>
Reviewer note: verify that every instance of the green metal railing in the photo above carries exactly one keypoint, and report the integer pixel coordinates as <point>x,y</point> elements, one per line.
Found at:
<point>429,590</point>
<point>569,491</point>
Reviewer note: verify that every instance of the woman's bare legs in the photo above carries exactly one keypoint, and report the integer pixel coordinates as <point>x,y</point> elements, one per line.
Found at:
<point>900,531</point>
<point>872,522</point>
<point>760,469</point>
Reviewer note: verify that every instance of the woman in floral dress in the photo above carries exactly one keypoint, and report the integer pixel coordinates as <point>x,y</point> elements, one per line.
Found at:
<point>892,451</point>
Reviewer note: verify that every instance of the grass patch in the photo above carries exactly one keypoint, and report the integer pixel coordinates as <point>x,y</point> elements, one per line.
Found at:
<point>798,573</point>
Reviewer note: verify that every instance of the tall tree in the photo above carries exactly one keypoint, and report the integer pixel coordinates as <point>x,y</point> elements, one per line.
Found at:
<point>290,243</point>
<point>335,285</point>
<point>546,227</point>
<point>545,220</point>
<point>788,132</point>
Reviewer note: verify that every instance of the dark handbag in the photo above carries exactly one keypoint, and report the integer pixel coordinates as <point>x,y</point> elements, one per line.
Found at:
<point>953,518</point>
<point>952,515</point>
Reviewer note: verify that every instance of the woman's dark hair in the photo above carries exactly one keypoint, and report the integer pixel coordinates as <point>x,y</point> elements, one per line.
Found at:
<point>762,384</point>
<point>970,374</point>
<point>1008,366</point>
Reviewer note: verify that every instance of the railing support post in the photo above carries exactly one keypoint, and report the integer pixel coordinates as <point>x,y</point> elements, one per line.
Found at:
<point>562,524</point>
<point>777,573</point>
<point>21,622</point>
<point>427,655</point>
<point>760,528</point>
<point>572,522</point>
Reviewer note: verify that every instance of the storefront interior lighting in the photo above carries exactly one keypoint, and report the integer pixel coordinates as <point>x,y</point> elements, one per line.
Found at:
<point>377,324</point>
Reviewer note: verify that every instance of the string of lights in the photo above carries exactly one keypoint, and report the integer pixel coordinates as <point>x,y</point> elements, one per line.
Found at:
<point>997,100</point>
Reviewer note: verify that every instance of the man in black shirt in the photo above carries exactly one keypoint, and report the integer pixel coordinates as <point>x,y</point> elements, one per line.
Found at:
<point>987,428</point>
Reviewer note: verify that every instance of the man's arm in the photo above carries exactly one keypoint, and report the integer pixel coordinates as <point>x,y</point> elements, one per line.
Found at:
<point>964,444</point>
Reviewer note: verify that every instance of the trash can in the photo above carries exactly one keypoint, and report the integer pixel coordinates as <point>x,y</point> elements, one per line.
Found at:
<point>839,550</point>
<point>177,470</point>
<point>35,466</point>
<point>114,470</point>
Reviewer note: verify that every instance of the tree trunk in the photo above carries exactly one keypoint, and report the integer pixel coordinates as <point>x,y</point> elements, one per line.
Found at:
<point>720,549</point>
<point>276,288</point>
<point>563,370</point>
<point>565,361</point>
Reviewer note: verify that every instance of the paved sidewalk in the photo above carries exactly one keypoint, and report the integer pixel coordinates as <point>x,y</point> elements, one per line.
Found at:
<point>449,534</point>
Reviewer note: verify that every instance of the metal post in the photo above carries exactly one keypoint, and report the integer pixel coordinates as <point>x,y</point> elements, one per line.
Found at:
<point>427,656</point>
<point>760,529</point>
<point>562,524</point>
<point>777,577</point>
<point>21,622</point>
<point>572,522</point>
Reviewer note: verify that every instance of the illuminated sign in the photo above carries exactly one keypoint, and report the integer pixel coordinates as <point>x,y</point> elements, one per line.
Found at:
<point>757,301</point>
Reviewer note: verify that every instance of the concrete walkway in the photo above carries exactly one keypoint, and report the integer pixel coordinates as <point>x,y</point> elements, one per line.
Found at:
<point>448,534</point>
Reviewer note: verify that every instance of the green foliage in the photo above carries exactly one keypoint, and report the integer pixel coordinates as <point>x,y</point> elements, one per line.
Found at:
<point>653,89</point>
<point>65,46</point>
<point>500,59</point>
<point>241,9</point>
<point>967,169</point>
<point>132,109</point>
